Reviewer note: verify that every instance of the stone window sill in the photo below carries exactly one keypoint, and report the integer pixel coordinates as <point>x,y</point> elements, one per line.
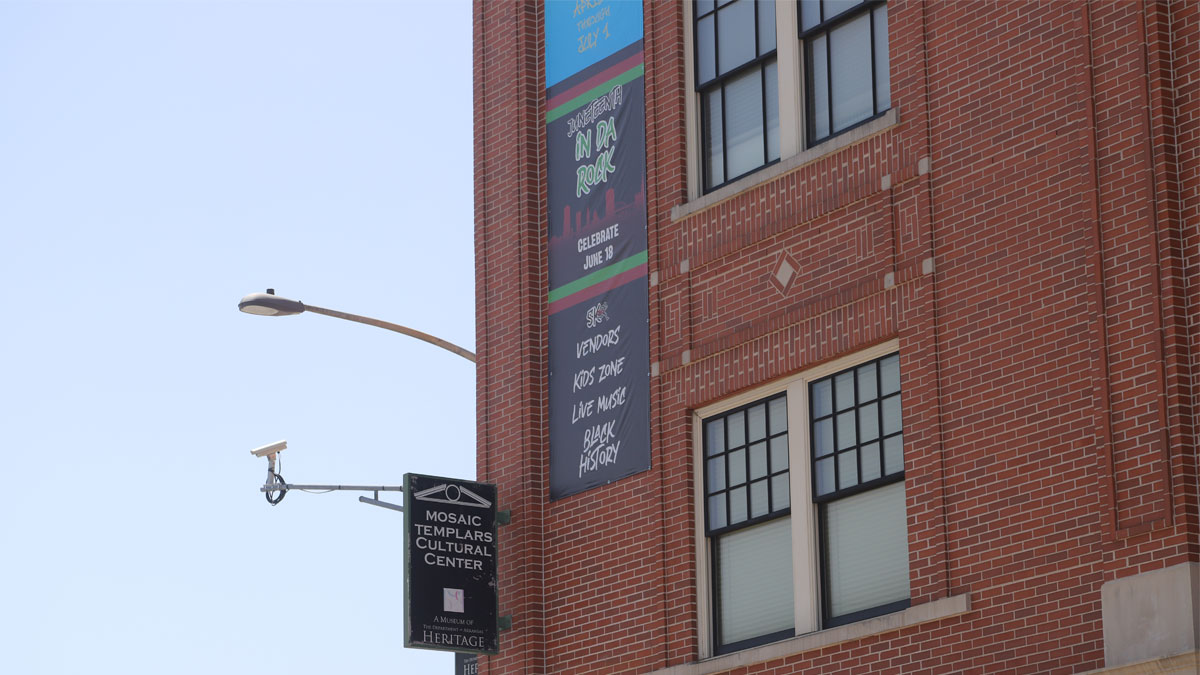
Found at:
<point>889,119</point>
<point>1180,664</point>
<point>919,614</point>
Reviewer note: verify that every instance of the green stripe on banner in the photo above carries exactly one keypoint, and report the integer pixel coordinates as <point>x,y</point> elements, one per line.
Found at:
<point>602,274</point>
<point>594,93</point>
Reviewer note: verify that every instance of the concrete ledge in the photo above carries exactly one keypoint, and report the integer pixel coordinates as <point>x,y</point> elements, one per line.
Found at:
<point>919,614</point>
<point>1153,615</point>
<point>889,119</point>
<point>1181,664</point>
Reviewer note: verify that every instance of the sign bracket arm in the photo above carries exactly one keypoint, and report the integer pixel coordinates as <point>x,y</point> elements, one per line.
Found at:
<point>376,502</point>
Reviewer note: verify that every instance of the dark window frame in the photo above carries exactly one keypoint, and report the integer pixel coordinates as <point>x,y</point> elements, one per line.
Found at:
<point>807,37</point>
<point>771,472</point>
<point>884,477</point>
<point>719,81</point>
<point>828,620</point>
<point>714,535</point>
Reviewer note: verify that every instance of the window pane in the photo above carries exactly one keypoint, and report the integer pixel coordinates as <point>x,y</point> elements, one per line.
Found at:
<point>714,145</point>
<point>823,437</point>
<point>754,581</point>
<point>819,106</point>
<point>893,454</point>
<point>883,90</point>
<point>824,473</point>
<point>780,497</point>
<point>860,421</point>
<point>716,512</point>
<point>866,383</point>
<point>779,454</point>
<point>757,420</point>
<point>706,50</point>
<point>822,397</point>
<point>810,13</point>
<point>737,467</point>
<point>850,54</point>
<point>758,460</point>
<point>867,550</point>
<point>891,415</point>
<point>737,429</point>
<point>847,470</point>
<point>889,375</point>
<point>843,385</point>
<point>868,422</point>
<point>715,432</point>
<point>703,6</point>
<point>716,474</point>
<point>835,7</point>
<point>771,82</point>
<point>778,415</point>
<point>735,37</point>
<point>846,434</point>
<point>737,505</point>
<point>744,122</point>
<point>759,504</point>
<point>766,26</point>
<point>869,457</point>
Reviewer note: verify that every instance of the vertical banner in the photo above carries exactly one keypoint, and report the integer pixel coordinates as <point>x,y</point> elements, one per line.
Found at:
<point>451,598</point>
<point>599,345</point>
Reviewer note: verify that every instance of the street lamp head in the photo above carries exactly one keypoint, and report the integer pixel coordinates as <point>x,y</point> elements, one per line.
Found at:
<point>269,304</point>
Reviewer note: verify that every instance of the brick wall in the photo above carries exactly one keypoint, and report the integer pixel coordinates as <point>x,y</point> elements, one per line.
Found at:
<point>1029,231</point>
<point>510,332</point>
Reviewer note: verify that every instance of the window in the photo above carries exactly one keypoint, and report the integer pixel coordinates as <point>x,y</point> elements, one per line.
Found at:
<point>803,494</point>
<point>846,64</point>
<point>752,60</point>
<point>738,85</point>
<point>748,494</point>
<point>857,453</point>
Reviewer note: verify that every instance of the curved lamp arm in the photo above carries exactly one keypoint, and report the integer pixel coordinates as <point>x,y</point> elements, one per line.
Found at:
<point>431,339</point>
<point>269,304</point>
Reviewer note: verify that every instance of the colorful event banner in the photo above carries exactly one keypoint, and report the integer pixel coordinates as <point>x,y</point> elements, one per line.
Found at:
<point>596,185</point>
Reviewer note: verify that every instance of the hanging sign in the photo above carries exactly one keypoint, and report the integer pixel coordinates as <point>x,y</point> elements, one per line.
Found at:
<point>466,664</point>
<point>599,347</point>
<point>450,592</point>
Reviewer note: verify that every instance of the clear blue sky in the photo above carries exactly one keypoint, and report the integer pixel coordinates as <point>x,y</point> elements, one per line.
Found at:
<point>159,160</point>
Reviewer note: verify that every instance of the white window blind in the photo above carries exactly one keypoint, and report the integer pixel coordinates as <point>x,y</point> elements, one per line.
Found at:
<point>867,549</point>
<point>754,590</point>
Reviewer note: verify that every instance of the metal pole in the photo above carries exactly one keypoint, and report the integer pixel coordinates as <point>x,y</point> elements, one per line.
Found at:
<point>395,327</point>
<point>275,487</point>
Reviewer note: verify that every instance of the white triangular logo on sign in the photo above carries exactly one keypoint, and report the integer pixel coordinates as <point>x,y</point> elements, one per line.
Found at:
<point>448,493</point>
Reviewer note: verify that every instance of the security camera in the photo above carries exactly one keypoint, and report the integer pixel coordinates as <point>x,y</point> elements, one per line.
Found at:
<point>268,450</point>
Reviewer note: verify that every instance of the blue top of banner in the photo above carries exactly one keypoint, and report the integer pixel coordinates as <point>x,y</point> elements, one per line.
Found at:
<point>581,32</point>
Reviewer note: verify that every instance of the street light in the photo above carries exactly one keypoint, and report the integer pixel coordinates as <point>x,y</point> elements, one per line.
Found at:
<point>449,495</point>
<point>269,304</point>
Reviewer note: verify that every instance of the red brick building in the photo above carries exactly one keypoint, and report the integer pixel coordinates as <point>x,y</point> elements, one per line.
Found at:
<point>923,334</point>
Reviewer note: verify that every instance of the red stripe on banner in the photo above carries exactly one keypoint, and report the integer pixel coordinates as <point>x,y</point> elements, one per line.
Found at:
<point>595,81</point>
<point>593,291</point>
